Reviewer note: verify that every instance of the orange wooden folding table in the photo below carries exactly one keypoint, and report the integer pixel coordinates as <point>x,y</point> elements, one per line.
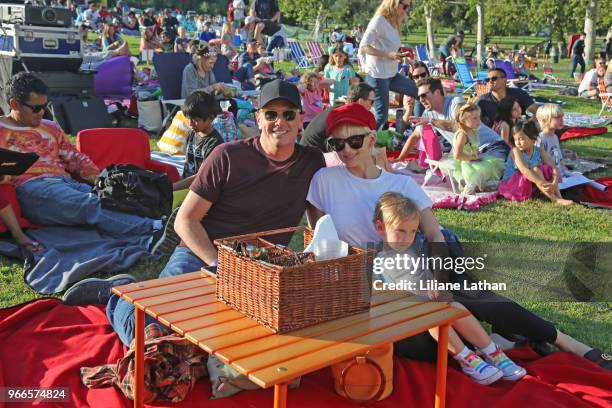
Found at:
<point>187,304</point>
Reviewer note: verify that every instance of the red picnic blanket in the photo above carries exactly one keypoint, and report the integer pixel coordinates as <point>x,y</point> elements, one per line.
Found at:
<point>44,343</point>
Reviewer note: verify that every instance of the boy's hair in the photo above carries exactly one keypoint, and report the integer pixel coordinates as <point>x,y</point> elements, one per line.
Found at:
<point>201,105</point>
<point>463,110</point>
<point>392,208</point>
<point>548,112</point>
<point>21,85</point>
<point>307,77</point>
<point>358,91</point>
<point>528,127</point>
<point>434,84</point>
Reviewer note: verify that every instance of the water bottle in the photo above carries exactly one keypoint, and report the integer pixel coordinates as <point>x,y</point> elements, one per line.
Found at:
<point>399,122</point>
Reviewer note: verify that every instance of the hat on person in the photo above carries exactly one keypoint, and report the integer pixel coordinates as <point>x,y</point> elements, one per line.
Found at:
<point>249,19</point>
<point>279,89</point>
<point>337,27</point>
<point>352,113</point>
<point>460,33</point>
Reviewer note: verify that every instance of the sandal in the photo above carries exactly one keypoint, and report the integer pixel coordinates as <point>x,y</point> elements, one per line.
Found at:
<point>600,358</point>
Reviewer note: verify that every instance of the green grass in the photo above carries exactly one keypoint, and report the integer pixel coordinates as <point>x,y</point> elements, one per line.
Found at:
<point>500,222</point>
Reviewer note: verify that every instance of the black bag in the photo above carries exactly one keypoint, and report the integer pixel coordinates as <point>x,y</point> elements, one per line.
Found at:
<point>130,189</point>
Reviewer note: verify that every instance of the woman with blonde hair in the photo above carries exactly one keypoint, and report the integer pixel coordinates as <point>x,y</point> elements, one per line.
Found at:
<point>380,43</point>
<point>199,75</point>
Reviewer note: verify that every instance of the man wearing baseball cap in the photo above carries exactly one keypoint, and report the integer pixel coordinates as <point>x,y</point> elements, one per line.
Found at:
<point>246,186</point>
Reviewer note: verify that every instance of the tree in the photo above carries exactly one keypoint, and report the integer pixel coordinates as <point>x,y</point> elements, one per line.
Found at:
<point>590,22</point>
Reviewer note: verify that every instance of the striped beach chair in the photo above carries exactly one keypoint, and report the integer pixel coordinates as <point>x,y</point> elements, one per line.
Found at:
<point>298,54</point>
<point>316,51</point>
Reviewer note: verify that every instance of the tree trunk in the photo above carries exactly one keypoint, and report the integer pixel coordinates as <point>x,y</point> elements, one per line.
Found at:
<point>430,33</point>
<point>590,23</point>
<point>480,33</point>
<point>319,23</point>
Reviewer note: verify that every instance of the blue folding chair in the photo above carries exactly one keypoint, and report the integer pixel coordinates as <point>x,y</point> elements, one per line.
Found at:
<point>169,67</point>
<point>298,53</point>
<point>465,76</point>
<point>423,56</point>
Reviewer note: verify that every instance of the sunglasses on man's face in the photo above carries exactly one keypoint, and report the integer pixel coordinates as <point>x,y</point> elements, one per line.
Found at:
<point>492,79</point>
<point>355,142</point>
<point>419,76</point>
<point>423,95</point>
<point>36,108</point>
<point>272,116</point>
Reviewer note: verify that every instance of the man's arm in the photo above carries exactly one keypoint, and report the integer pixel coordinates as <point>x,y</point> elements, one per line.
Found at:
<point>533,108</point>
<point>188,226</point>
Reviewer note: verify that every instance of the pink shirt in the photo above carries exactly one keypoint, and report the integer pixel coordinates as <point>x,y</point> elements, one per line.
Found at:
<point>312,104</point>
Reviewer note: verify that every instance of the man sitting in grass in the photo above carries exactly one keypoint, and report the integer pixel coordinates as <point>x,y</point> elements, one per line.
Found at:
<point>245,186</point>
<point>47,192</point>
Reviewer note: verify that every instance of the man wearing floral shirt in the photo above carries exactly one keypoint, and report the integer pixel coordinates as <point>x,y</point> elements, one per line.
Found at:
<point>47,192</point>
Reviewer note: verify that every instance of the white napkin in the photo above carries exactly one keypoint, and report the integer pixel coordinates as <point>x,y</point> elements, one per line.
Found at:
<point>325,242</point>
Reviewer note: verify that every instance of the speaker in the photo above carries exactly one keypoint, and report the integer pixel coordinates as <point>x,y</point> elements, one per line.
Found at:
<point>48,16</point>
<point>86,113</point>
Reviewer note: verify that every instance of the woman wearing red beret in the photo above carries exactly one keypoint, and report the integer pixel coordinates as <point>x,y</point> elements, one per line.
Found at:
<point>348,193</point>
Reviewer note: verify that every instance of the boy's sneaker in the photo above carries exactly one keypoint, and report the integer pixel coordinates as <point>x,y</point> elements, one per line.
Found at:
<point>95,291</point>
<point>166,239</point>
<point>499,359</point>
<point>478,369</point>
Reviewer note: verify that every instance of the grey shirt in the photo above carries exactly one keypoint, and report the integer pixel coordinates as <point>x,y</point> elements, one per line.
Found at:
<point>193,81</point>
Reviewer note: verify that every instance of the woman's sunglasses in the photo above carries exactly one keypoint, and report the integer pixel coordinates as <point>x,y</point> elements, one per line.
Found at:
<point>419,76</point>
<point>272,116</point>
<point>36,108</point>
<point>405,6</point>
<point>355,142</point>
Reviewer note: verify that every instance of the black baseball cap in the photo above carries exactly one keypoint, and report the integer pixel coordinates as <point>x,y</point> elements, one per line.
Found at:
<point>279,89</point>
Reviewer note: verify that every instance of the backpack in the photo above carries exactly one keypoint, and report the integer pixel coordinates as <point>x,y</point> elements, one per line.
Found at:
<point>130,189</point>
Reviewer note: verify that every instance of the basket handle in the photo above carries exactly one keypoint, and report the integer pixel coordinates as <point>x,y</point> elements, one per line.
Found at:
<point>256,235</point>
<point>363,360</point>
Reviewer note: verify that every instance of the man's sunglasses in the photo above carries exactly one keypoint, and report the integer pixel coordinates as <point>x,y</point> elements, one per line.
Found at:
<point>492,79</point>
<point>288,115</point>
<point>355,142</point>
<point>36,108</point>
<point>422,96</point>
<point>419,76</point>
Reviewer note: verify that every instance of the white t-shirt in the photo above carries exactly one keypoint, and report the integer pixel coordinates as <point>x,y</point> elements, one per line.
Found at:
<point>589,78</point>
<point>351,200</point>
<point>550,144</point>
<point>381,35</point>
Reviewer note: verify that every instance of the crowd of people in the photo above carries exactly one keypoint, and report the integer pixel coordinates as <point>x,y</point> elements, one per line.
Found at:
<point>271,181</point>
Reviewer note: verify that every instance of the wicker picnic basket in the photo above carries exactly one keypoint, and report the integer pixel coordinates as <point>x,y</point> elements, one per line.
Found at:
<point>289,298</point>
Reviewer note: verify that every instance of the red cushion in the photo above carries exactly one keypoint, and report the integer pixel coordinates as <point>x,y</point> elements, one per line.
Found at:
<point>9,197</point>
<point>115,146</point>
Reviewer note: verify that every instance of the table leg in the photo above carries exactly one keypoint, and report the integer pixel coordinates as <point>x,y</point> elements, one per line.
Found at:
<point>440,399</point>
<point>139,357</point>
<point>280,396</point>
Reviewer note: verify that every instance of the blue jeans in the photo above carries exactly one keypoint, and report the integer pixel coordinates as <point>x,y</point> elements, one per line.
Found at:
<point>577,60</point>
<point>382,86</point>
<point>65,201</point>
<point>275,42</point>
<point>120,312</point>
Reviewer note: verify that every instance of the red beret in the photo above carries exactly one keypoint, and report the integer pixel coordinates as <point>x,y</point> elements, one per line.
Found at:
<point>352,113</point>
